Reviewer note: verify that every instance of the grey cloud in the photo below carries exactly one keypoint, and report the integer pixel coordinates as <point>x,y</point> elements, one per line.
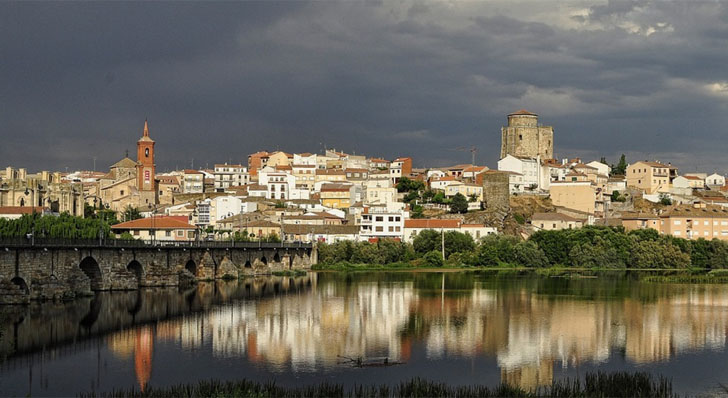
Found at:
<point>221,80</point>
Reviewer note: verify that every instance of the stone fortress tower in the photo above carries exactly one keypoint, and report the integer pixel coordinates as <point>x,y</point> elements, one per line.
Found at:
<point>524,137</point>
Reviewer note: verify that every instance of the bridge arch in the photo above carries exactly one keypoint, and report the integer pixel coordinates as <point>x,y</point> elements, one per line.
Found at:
<point>91,268</point>
<point>248,264</point>
<point>264,260</point>
<point>21,284</point>
<point>191,266</point>
<point>136,268</point>
<point>277,258</point>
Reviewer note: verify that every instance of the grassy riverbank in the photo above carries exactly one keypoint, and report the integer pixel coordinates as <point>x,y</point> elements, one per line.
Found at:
<point>600,384</point>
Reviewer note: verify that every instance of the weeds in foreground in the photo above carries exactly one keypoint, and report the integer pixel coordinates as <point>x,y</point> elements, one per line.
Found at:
<point>599,384</point>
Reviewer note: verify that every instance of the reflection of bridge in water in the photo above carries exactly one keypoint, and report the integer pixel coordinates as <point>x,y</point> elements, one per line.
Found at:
<point>28,329</point>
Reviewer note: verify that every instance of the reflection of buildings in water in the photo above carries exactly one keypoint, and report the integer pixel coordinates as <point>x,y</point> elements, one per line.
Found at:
<point>140,343</point>
<point>525,331</point>
<point>695,319</point>
<point>143,350</point>
<point>529,377</point>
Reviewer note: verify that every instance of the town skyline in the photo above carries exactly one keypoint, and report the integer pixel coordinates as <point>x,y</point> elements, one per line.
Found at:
<point>611,77</point>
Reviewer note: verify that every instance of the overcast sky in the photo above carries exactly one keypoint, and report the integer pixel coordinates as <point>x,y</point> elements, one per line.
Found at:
<point>218,81</point>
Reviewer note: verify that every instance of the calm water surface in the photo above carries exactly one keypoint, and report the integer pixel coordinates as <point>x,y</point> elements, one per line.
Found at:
<point>461,328</point>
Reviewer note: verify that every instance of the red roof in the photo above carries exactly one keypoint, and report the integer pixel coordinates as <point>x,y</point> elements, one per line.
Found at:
<point>522,112</point>
<point>431,223</point>
<point>21,209</point>
<point>163,222</point>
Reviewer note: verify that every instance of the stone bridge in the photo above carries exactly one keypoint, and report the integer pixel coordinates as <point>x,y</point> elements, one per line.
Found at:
<point>52,269</point>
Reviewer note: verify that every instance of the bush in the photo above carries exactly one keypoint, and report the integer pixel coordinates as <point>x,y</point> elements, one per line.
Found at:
<point>528,254</point>
<point>433,259</point>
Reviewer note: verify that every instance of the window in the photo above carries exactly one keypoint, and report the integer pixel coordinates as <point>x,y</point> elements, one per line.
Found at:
<point>397,229</point>
<point>380,218</point>
<point>391,219</point>
<point>380,229</point>
<point>676,233</point>
<point>520,136</point>
<point>677,222</point>
<point>553,225</point>
<point>706,223</point>
<point>181,233</point>
<point>168,233</point>
<point>391,229</point>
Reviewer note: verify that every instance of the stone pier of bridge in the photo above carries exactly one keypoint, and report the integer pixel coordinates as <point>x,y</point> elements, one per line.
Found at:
<point>60,271</point>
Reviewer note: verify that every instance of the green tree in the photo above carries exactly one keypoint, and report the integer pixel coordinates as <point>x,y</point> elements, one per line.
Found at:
<point>433,259</point>
<point>621,167</point>
<point>665,199</point>
<point>528,254</point>
<point>131,213</point>
<point>427,240</point>
<point>459,204</point>
<point>438,198</point>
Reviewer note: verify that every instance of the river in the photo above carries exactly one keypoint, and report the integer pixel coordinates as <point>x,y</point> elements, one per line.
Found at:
<point>460,328</point>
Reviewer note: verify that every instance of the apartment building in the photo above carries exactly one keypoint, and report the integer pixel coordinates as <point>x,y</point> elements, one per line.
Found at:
<point>230,175</point>
<point>379,222</point>
<point>650,177</point>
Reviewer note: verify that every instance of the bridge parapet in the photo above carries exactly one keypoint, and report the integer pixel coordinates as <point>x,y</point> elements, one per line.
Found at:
<point>61,269</point>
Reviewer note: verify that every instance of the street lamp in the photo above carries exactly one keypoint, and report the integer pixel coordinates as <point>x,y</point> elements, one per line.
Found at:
<point>153,209</point>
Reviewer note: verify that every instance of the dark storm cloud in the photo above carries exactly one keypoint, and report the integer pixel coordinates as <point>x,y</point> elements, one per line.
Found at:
<point>221,80</point>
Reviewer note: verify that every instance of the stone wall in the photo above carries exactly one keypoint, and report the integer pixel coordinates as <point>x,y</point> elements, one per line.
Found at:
<point>496,195</point>
<point>37,273</point>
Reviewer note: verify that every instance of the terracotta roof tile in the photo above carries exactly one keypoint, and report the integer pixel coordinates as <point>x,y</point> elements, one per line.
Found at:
<point>162,222</point>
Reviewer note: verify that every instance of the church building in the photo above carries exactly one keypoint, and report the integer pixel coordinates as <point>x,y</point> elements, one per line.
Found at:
<point>131,182</point>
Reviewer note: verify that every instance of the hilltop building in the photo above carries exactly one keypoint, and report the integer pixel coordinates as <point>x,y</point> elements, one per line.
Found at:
<point>524,137</point>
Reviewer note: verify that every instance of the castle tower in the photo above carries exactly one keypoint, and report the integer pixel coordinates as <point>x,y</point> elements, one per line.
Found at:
<point>146,168</point>
<point>524,137</point>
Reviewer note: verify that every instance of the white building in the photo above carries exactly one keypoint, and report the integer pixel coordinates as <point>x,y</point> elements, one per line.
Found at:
<point>379,222</point>
<point>279,184</point>
<point>715,180</point>
<point>230,175</point>
<point>602,168</point>
<point>534,176</point>
<point>412,227</point>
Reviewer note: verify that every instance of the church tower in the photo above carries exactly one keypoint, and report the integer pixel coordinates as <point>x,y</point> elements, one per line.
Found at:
<point>145,167</point>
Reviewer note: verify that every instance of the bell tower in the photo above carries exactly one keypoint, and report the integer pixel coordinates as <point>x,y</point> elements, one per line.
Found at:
<point>145,164</point>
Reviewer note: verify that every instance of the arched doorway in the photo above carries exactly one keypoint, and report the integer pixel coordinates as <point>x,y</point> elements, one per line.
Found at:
<point>20,283</point>
<point>91,268</point>
<point>136,268</point>
<point>192,267</point>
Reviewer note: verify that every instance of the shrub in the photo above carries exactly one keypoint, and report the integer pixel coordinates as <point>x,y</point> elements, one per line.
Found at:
<point>433,259</point>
